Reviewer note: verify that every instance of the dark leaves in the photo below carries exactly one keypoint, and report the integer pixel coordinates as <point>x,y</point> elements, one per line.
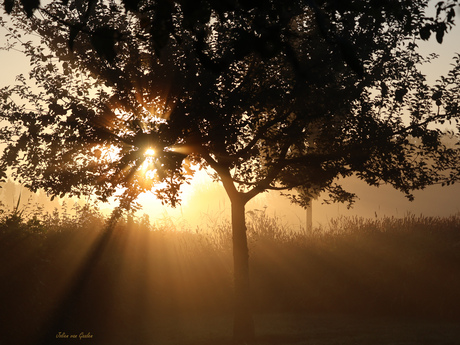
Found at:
<point>384,89</point>
<point>30,6</point>
<point>444,20</point>
<point>103,41</point>
<point>450,15</point>
<point>9,4</point>
<point>437,95</point>
<point>10,154</point>
<point>430,139</point>
<point>425,32</point>
<point>441,28</point>
<point>399,94</point>
<point>73,33</point>
<point>57,109</point>
<point>439,7</point>
<point>131,5</point>
<point>162,26</point>
<point>251,4</point>
<point>349,55</point>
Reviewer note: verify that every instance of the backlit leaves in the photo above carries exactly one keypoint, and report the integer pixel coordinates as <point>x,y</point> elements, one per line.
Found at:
<point>270,95</point>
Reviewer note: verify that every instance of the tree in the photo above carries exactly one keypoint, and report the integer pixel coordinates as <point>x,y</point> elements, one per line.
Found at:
<point>267,95</point>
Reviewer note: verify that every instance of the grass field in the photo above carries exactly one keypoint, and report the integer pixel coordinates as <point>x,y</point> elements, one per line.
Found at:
<point>297,328</point>
<point>355,281</point>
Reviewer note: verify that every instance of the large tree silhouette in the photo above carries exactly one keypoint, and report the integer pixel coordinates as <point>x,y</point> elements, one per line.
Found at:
<point>267,95</point>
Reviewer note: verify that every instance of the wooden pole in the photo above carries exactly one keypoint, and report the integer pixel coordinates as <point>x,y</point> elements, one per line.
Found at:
<point>309,219</point>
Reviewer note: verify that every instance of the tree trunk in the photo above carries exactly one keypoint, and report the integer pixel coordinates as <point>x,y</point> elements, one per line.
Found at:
<point>243,324</point>
<point>309,217</point>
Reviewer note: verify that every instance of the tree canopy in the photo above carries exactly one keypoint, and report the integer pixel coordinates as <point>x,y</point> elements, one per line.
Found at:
<point>242,88</point>
<point>268,94</point>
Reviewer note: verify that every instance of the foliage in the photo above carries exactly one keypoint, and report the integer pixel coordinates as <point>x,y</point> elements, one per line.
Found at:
<point>239,88</point>
<point>383,266</point>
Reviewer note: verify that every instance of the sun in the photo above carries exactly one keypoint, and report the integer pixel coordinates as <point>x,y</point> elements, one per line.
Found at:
<point>150,152</point>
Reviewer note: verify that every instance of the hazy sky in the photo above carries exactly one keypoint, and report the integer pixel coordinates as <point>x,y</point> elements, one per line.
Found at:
<point>373,201</point>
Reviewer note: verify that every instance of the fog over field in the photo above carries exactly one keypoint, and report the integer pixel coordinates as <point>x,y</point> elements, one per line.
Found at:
<point>205,201</point>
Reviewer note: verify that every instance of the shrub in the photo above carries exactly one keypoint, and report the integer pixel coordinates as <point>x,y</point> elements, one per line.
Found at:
<point>126,277</point>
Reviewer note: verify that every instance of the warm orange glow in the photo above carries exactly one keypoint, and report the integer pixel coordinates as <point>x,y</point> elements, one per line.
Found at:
<point>147,169</point>
<point>150,152</point>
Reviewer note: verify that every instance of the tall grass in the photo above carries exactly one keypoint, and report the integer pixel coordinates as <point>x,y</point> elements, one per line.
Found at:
<point>146,270</point>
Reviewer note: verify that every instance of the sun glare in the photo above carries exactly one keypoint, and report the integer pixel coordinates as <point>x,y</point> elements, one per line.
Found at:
<point>150,152</point>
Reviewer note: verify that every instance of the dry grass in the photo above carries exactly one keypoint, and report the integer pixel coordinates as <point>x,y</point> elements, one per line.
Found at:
<point>297,328</point>
<point>156,283</point>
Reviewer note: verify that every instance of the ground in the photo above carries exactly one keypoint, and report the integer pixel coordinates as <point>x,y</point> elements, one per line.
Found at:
<point>296,329</point>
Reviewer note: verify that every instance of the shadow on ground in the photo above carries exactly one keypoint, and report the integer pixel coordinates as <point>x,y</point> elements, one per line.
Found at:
<point>298,329</point>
